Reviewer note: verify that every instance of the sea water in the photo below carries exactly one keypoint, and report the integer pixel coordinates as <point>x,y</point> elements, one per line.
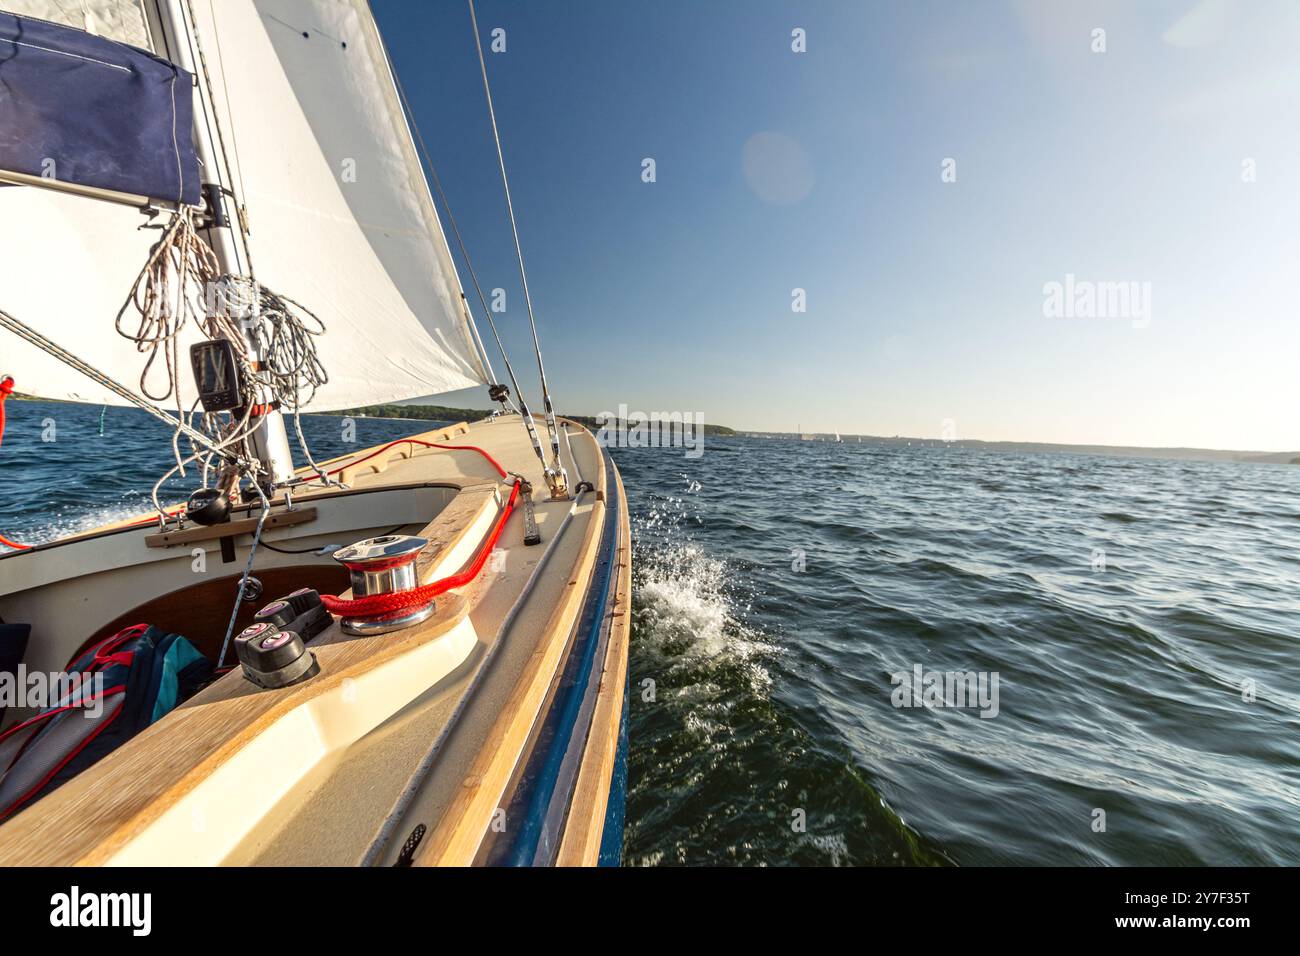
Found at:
<point>805,614</point>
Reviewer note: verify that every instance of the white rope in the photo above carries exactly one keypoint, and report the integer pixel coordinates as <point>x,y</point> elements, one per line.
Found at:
<point>180,269</point>
<point>160,298</point>
<point>163,299</point>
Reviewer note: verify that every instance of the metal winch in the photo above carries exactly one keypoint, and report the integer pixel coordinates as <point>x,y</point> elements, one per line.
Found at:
<point>383,565</point>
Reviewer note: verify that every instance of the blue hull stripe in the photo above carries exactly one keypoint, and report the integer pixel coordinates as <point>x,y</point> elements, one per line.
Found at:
<point>544,790</point>
<point>611,840</point>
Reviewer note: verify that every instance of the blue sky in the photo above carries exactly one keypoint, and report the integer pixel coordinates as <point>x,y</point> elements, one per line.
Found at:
<point>821,171</point>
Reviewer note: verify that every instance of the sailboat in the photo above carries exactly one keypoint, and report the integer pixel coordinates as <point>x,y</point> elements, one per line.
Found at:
<point>838,439</point>
<point>417,651</point>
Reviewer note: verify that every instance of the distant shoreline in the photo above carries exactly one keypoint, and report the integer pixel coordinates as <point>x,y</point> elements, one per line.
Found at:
<point>443,413</point>
<point>1034,448</point>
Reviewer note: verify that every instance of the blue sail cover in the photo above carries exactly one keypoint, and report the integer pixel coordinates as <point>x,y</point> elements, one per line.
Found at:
<point>85,110</point>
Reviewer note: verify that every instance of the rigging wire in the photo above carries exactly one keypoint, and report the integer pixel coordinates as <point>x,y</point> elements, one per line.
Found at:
<point>446,208</point>
<point>555,473</point>
<point>248,569</point>
<point>30,335</point>
<point>469,265</point>
<point>192,29</point>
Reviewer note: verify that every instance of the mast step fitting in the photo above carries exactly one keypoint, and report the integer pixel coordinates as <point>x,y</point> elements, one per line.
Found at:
<point>383,565</point>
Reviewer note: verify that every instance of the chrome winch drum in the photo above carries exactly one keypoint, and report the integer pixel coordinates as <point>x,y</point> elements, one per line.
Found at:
<point>383,565</point>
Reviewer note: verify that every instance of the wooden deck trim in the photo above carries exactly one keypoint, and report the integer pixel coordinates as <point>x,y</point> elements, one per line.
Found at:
<point>456,838</point>
<point>585,826</point>
<point>92,817</point>
<point>229,529</point>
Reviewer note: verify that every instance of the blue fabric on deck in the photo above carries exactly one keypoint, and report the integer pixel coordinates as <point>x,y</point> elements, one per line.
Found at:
<point>94,112</point>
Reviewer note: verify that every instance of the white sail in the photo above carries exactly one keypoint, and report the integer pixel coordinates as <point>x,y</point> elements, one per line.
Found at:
<point>339,214</point>
<point>66,266</point>
<point>121,20</point>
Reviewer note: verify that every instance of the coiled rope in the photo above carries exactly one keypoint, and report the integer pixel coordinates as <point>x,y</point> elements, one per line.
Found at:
<point>379,604</point>
<point>162,302</point>
<point>233,308</point>
<point>181,281</point>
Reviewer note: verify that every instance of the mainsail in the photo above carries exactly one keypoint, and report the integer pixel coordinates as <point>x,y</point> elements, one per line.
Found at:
<point>317,152</point>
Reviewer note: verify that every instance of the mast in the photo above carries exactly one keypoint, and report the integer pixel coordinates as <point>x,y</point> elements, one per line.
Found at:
<point>270,442</point>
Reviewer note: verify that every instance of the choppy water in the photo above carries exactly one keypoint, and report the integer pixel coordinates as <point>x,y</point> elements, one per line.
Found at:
<point>1120,690</point>
<point>769,736</point>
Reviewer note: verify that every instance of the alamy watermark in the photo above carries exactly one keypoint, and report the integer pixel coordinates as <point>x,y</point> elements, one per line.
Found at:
<point>133,911</point>
<point>40,690</point>
<point>1084,299</point>
<point>937,689</point>
<point>627,429</point>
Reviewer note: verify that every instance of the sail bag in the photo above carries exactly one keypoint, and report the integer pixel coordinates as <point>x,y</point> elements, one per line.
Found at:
<point>89,111</point>
<point>127,682</point>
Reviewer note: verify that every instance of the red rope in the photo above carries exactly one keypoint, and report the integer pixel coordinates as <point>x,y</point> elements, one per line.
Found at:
<point>7,389</point>
<point>379,604</point>
<point>13,544</point>
<point>397,601</point>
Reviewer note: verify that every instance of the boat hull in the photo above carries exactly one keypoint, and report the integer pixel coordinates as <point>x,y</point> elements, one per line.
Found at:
<point>504,713</point>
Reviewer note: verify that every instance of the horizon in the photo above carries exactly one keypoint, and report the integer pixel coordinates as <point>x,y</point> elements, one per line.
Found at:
<point>1107,258</point>
<point>898,436</point>
<point>743,432</point>
<point>747,432</point>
